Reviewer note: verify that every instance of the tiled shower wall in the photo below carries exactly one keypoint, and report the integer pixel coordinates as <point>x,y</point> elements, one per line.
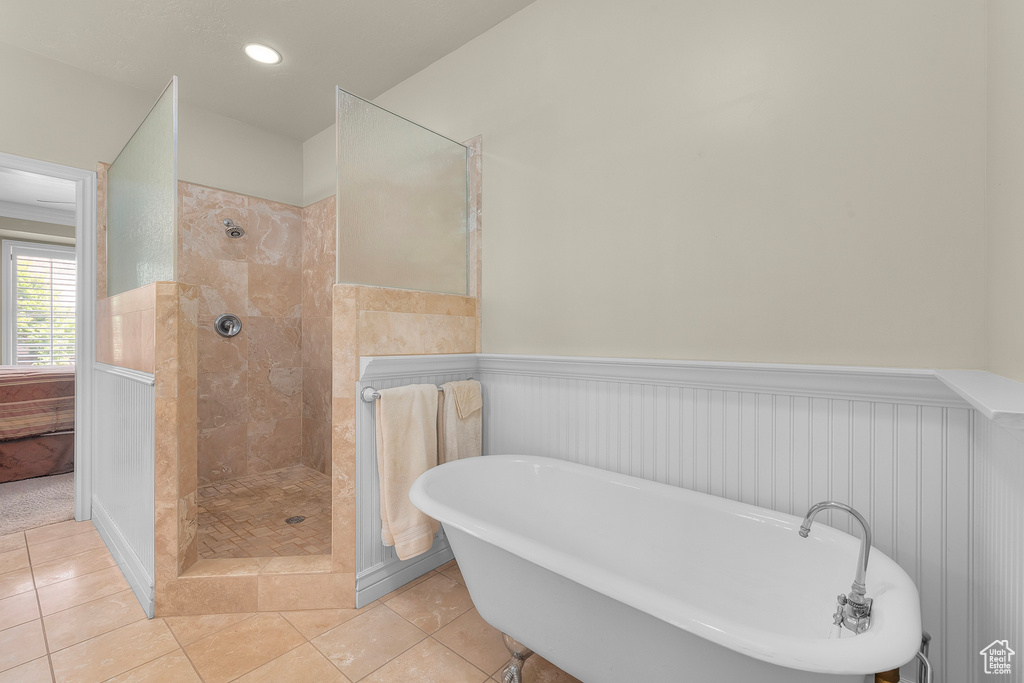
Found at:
<point>250,385</point>
<point>319,245</point>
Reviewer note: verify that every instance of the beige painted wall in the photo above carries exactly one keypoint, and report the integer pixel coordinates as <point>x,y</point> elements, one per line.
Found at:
<point>32,231</point>
<point>58,113</point>
<point>1005,198</point>
<point>788,181</point>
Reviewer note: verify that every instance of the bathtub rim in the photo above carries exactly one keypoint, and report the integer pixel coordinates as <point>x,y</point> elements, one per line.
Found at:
<point>873,651</point>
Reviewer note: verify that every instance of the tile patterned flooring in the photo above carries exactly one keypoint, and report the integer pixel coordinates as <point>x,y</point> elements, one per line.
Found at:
<point>244,517</point>
<point>67,615</point>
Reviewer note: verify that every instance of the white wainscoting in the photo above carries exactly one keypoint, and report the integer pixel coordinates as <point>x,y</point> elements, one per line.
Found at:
<point>897,445</point>
<point>123,507</point>
<point>997,575</point>
<point>941,484</point>
<point>378,569</point>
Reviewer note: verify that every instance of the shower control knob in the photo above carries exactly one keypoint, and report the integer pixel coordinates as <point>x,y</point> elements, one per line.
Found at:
<point>228,325</point>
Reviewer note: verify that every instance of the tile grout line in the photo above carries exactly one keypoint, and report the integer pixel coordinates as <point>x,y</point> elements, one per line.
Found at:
<point>39,606</point>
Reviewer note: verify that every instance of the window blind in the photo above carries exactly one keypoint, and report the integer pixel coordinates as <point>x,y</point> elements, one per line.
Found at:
<point>44,306</point>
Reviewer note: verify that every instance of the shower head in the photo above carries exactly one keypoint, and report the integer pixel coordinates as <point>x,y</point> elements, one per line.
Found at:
<point>233,230</point>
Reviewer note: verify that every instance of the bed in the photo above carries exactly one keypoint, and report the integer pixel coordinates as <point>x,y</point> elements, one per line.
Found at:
<point>37,421</point>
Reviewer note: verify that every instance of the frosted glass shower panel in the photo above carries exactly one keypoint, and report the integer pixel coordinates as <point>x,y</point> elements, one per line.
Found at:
<point>402,203</point>
<point>142,201</point>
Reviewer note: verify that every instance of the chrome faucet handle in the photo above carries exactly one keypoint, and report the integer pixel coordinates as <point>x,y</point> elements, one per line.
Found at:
<point>839,617</point>
<point>857,615</point>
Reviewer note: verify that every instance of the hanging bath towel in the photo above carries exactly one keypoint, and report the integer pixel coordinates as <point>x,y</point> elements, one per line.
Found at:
<point>459,420</point>
<point>406,448</point>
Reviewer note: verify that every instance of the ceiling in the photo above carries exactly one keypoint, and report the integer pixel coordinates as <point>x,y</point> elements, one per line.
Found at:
<point>35,197</point>
<point>364,46</point>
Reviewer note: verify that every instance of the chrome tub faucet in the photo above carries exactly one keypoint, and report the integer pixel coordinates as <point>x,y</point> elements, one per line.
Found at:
<point>856,607</point>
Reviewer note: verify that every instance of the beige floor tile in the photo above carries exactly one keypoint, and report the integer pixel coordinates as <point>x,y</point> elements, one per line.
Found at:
<point>114,652</point>
<point>63,547</point>
<point>304,663</point>
<point>401,589</point>
<point>453,573</point>
<point>539,670</point>
<point>18,581</point>
<point>52,532</point>
<point>91,619</point>
<point>12,541</point>
<point>313,622</point>
<point>433,603</point>
<point>238,649</point>
<point>36,671</point>
<point>81,589</point>
<point>18,609</point>
<point>20,644</point>
<point>363,644</point>
<point>190,629</point>
<point>12,560</point>
<point>66,568</point>
<point>427,661</point>
<point>171,668</point>
<point>476,641</point>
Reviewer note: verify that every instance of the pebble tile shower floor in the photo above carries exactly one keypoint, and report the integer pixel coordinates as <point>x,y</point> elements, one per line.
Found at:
<point>67,615</point>
<point>245,517</point>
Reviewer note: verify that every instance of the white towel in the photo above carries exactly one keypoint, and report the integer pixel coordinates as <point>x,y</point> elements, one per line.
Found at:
<point>458,420</point>
<point>406,448</point>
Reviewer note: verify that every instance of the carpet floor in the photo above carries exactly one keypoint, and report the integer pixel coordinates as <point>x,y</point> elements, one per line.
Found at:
<point>30,503</point>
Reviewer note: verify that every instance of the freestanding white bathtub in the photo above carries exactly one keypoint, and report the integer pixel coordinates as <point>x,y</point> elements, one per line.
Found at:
<point>621,580</point>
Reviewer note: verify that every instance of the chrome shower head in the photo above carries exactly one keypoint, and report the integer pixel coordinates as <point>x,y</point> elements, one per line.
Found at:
<point>234,230</point>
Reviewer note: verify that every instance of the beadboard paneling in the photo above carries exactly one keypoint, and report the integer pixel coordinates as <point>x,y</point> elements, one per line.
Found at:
<point>378,569</point>
<point>903,464</point>
<point>123,502</point>
<point>997,574</point>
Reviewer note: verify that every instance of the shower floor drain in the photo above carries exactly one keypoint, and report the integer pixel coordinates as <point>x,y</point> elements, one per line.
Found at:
<point>295,520</point>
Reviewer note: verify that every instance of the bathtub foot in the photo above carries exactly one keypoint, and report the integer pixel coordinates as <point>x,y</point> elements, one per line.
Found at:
<point>513,673</point>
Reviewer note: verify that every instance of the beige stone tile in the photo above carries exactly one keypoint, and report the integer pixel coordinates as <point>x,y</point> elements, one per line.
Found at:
<point>314,622</point>
<point>52,532</point>
<point>20,644</point>
<point>304,663</point>
<point>453,572</point>
<point>81,589</point>
<point>306,591</point>
<point>387,299</point>
<point>11,542</point>
<point>390,334</point>
<point>206,595</point>
<point>171,668</point>
<point>316,444</point>
<point>65,568</point>
<point>190,629</point>
<point>274,392</point>
<point>221,399</point>
<point>223,452</point>
<point>36,671</point>
<point>91,619</point>
<point>18,581</point>
<point>13,560</point>
<point>202,211</point>
<point>476,641</point>
<point>220,354</point>
<point>18,609</point>
<point>274,291</point>
<point>316,342</point>
<point>427,661</point>
<point>275,342</point>
<point>228,566</point>
<point>364,643</point>
<point>220,285</point>
<point>316,394</point>
<point>539,670</point>
<point>308,564</point>
<point>448,304</point>
<point>113,653</point>
<point>401,589</point>
<point>433,603</point>
<point>63,547</point>
<point>274,233</point>
<point>273,444</point>
<point>238,649</point>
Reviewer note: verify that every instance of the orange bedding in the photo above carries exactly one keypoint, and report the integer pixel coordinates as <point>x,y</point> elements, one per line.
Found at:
<point>36,400</point>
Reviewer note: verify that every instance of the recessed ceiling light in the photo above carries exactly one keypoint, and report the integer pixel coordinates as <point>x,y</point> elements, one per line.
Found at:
<point>262,53</point>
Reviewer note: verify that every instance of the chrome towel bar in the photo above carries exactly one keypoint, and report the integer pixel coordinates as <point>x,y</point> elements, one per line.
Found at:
<point>369,394</point>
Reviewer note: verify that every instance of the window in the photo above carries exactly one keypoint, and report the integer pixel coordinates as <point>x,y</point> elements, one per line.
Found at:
<point>38,304</point>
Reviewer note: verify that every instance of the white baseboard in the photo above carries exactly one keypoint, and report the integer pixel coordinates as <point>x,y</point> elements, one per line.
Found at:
<point>127,561</point>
